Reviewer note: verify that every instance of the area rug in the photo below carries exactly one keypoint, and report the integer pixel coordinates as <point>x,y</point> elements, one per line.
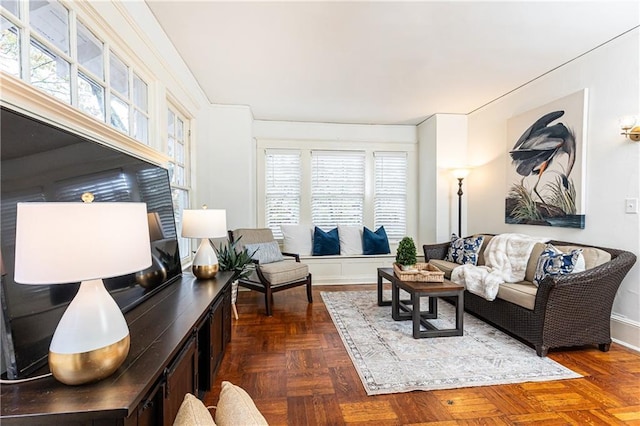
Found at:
<point>389,360</point>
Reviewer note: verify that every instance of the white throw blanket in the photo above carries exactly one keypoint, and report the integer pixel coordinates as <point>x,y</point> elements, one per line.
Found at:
<point>506,257</point>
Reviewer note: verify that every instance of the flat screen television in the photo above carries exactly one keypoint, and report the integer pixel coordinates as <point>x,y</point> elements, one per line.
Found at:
<point>40,162</point>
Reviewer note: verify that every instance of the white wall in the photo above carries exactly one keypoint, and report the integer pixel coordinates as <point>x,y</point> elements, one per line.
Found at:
<point>224,158</point>
<point>442,139</point>
<point>612,75</point>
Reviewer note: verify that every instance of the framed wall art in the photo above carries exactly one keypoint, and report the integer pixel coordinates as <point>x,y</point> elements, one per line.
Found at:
<point>546,164</point>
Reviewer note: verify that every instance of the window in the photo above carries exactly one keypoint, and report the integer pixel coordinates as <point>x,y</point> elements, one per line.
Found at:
<point>282,189</point>
<point>180,186</point>
<point>337,188</point>
<point>366,185</point>
<point>67,60</point>
<point>390,193</point>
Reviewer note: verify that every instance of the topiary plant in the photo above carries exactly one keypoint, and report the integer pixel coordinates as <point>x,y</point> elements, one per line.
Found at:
<point>406,254</point>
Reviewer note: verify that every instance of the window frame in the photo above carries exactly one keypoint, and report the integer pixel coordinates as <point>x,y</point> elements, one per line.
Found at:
<point>305,147</point>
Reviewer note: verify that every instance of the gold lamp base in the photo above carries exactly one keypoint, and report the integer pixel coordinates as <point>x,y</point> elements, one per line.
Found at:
<point>87,367</point>
<point>205,272</point>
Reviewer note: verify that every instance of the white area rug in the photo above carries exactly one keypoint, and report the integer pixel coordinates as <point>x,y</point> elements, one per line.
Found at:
<point>389,360</point>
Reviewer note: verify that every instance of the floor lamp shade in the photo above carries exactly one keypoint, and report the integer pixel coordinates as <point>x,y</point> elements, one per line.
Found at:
<point>59,243</point>
<point>204,224</point>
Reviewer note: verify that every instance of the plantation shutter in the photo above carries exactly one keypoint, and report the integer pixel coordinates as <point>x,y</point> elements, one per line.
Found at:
<point>337,188</point>
<point>390,193</point>
<point>282,189</point>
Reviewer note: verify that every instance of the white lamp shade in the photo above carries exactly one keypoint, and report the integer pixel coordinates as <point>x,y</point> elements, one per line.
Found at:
<point>71,242</point>
<point>460,173</point>
<point>204,223</point>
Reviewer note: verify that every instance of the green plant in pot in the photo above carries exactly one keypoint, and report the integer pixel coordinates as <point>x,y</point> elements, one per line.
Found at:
<point>406,255</point>
<point>230,259</point>
<point>240,262</point>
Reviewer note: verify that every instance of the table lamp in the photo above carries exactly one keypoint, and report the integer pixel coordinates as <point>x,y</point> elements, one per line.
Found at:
<point>59,243</point>
<point>204,224</point>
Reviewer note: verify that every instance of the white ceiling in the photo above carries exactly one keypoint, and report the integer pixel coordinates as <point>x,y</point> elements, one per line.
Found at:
<point>380,62</point>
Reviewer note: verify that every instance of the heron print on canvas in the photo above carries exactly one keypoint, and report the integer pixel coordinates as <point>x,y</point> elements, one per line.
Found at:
<point>546,164</point>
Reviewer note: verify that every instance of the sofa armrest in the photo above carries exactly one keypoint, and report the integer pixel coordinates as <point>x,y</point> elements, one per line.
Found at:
<point>435,251</point>
<point>581,303</point>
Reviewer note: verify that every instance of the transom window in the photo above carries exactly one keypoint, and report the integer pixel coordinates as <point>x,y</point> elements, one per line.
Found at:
<point>45,44</point>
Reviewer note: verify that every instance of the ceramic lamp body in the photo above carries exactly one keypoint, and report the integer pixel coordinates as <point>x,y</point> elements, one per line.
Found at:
<point>205,262</point>
<point>92,338</point>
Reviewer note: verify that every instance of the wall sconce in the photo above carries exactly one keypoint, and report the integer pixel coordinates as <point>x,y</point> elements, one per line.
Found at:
<point>629,128</point>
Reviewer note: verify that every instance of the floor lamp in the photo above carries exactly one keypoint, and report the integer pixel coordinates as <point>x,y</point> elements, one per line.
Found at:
<point>460,174</point>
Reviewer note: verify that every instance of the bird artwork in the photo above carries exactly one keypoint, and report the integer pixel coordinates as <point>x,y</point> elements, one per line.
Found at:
<point>545,149</point>
<point>540,145</point>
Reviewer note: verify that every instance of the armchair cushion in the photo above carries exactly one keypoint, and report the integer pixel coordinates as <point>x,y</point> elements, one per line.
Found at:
<point>252,236</point>
<point>265,252</point>
<point>325,243</point>
<point>282,272</point>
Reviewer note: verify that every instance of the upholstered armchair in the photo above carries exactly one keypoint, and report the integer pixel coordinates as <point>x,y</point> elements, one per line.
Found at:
<point>274,271</point>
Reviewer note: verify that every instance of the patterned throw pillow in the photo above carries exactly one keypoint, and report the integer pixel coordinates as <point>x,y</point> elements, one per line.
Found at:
<point>265,252</point>
<point>464,250</point>
<point>554,262</point>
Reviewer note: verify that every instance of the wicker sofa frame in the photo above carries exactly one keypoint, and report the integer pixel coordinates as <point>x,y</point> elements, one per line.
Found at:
<point>570,310</point>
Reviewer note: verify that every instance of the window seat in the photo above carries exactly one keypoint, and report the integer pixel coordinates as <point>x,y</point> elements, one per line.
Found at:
<point>347,269</point>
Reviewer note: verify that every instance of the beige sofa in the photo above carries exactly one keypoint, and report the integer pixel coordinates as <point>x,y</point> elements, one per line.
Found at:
<point>562,311</point>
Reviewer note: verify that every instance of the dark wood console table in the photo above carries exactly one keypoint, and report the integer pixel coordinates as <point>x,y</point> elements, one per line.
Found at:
<point>178,339</point>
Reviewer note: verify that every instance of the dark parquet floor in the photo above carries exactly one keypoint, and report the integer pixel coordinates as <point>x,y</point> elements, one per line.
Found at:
<point>298,372</point>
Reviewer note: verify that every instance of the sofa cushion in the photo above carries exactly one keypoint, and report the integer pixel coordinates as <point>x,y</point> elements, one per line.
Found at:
<point>444,265</point>
<point>485,241</point>
<point>193,412</point>
<point>282,272</point>
<point>554,262</point>
<point>521,294</point>
<point>235,407</point>
<point>325,243</point>
<point>297,239</point>
<point>464,250</point>
<point>350,240</point>
<point>265,252</point>
<point>375,242</point>
<point>592,256</point>
<point>537,250</point>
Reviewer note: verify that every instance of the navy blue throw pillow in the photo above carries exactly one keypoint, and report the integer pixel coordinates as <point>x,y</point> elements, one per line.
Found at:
<point>325,243</point>
<point>375,242</point>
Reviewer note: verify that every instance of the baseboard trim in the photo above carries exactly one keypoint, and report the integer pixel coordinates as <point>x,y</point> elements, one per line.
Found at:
<point>625,332</point>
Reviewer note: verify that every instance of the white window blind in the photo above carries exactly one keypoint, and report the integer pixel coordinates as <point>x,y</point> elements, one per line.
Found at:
<point>390,199</point>
<point>283,178</point>
<point>337,188</point>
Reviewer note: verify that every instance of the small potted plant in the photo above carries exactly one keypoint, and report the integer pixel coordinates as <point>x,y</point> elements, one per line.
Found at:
<point>406,255</point>
<point>230,259</point>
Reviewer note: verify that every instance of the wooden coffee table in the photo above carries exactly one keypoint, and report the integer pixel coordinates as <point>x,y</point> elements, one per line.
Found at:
<point>410,309</point>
